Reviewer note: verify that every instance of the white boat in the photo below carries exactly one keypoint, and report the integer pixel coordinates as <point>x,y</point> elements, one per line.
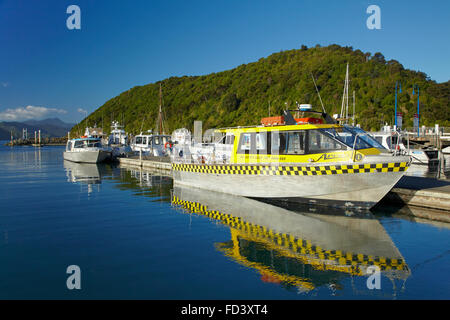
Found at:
<point>392,140</point>
<point>86,149</point>
<point>151,144</point>
<point>389,140</point>
<point>424,156</point>
<point>118,141</point>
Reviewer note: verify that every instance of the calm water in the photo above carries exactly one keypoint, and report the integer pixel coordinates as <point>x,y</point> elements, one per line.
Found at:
<point>134,236</point>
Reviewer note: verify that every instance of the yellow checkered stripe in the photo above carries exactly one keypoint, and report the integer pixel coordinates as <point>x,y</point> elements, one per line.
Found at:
<point>295,244</point>
<point>291,170</point>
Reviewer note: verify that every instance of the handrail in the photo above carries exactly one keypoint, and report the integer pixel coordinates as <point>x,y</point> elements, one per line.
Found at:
<point>354,145</point>
<point>398,142</point>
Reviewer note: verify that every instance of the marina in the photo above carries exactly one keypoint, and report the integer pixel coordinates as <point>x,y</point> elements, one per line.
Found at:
<point>219,159</point>
<point>125,224</point>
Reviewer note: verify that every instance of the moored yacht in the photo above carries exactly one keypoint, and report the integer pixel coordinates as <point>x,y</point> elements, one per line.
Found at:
<point>86,149</point>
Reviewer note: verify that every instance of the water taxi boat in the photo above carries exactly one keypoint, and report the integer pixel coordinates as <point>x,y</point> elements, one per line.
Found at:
<point>86,149</point>
<point>329,164</point>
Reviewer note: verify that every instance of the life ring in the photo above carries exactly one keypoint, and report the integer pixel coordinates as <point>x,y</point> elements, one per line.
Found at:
<point>168,144</point>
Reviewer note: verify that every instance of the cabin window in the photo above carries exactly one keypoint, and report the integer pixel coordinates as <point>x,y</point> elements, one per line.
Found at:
<point>144,140</point>
<point>295,142</point>
<point>292,142</point>
<point>261,141</point>
<point>156,140</point>
<point>246,142</point>
<point>94,144</point>
<point>319,142</point>
<point>348,135</point>
<point>379,140</point>
<point>164,140</point>
<point>253,143</point>
<point>394,142</point>
<point>138,140</point>
<point>78,144</point>
<point>69,146</point>
<point>229,139</point>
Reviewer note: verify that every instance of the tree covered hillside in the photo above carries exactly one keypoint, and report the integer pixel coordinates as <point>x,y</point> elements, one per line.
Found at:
<point>241,96</point>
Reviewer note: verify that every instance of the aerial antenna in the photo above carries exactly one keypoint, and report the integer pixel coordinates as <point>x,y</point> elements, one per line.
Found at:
<point>344,107</point>
<point>142,123</point>
<point>323,108</point>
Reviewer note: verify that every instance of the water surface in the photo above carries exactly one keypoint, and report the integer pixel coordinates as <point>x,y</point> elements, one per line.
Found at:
<point>134,236</point>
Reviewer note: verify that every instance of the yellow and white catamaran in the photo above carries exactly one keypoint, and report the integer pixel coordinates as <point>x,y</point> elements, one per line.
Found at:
<point>300,160</point>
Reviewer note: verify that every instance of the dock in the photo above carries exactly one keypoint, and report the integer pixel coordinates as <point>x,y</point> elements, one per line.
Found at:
<point>417,192</point>
<point>147,162</point>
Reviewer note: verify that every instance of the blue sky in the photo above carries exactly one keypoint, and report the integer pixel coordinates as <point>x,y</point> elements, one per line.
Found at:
<point>48,70</point>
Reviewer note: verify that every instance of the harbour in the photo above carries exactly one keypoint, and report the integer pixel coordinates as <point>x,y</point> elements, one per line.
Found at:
<point>136,235</point>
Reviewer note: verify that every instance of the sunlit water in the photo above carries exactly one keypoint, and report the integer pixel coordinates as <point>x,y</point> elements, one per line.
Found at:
<point>134,236</point>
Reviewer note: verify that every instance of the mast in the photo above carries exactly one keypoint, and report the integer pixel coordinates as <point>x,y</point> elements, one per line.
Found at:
<point>353,118</point>
<point>344,106</point>
<point>160,109</point>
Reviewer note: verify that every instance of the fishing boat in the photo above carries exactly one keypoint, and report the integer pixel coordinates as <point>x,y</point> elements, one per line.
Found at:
<point>118,141</point>
<point>151,144</point>
<point>305,248</point>
<point>86,149</point>
<point>329,164</point>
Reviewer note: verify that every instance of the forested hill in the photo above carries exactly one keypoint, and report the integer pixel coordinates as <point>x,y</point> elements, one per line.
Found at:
<point>241,96</point>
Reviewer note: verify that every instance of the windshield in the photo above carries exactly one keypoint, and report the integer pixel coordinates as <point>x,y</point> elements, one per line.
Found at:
<point>348,134</point>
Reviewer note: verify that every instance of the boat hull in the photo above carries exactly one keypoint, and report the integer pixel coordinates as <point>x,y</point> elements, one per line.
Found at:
<point>355,186</point>
<point>94,156</point>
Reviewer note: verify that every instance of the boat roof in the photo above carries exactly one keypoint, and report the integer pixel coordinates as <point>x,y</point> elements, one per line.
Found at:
<point>153,135</point>
<point>279,128</point>
<point>88,138</point>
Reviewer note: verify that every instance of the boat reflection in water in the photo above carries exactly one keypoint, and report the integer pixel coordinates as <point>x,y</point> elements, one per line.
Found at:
<point>299,250</point>
<point>153,178</point>
<point>85,174</point>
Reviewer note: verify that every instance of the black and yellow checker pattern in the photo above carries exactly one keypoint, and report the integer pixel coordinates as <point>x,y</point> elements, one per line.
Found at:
<point>297,245</point>
<point>291,170</point>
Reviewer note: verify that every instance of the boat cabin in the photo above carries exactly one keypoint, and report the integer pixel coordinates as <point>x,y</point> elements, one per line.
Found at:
<point>83,143</point>
<point>297,143</point>
<point>147,141</point>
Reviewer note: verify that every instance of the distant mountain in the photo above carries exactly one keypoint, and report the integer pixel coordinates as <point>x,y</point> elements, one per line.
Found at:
<point>52,127</point>
<point>55,122</point>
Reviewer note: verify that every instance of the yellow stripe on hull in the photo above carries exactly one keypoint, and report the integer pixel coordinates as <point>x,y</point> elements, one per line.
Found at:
<point>291,170</point>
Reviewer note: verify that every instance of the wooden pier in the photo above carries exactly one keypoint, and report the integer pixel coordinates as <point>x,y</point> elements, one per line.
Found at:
<point>424,193</point>
<point>160,163</point>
